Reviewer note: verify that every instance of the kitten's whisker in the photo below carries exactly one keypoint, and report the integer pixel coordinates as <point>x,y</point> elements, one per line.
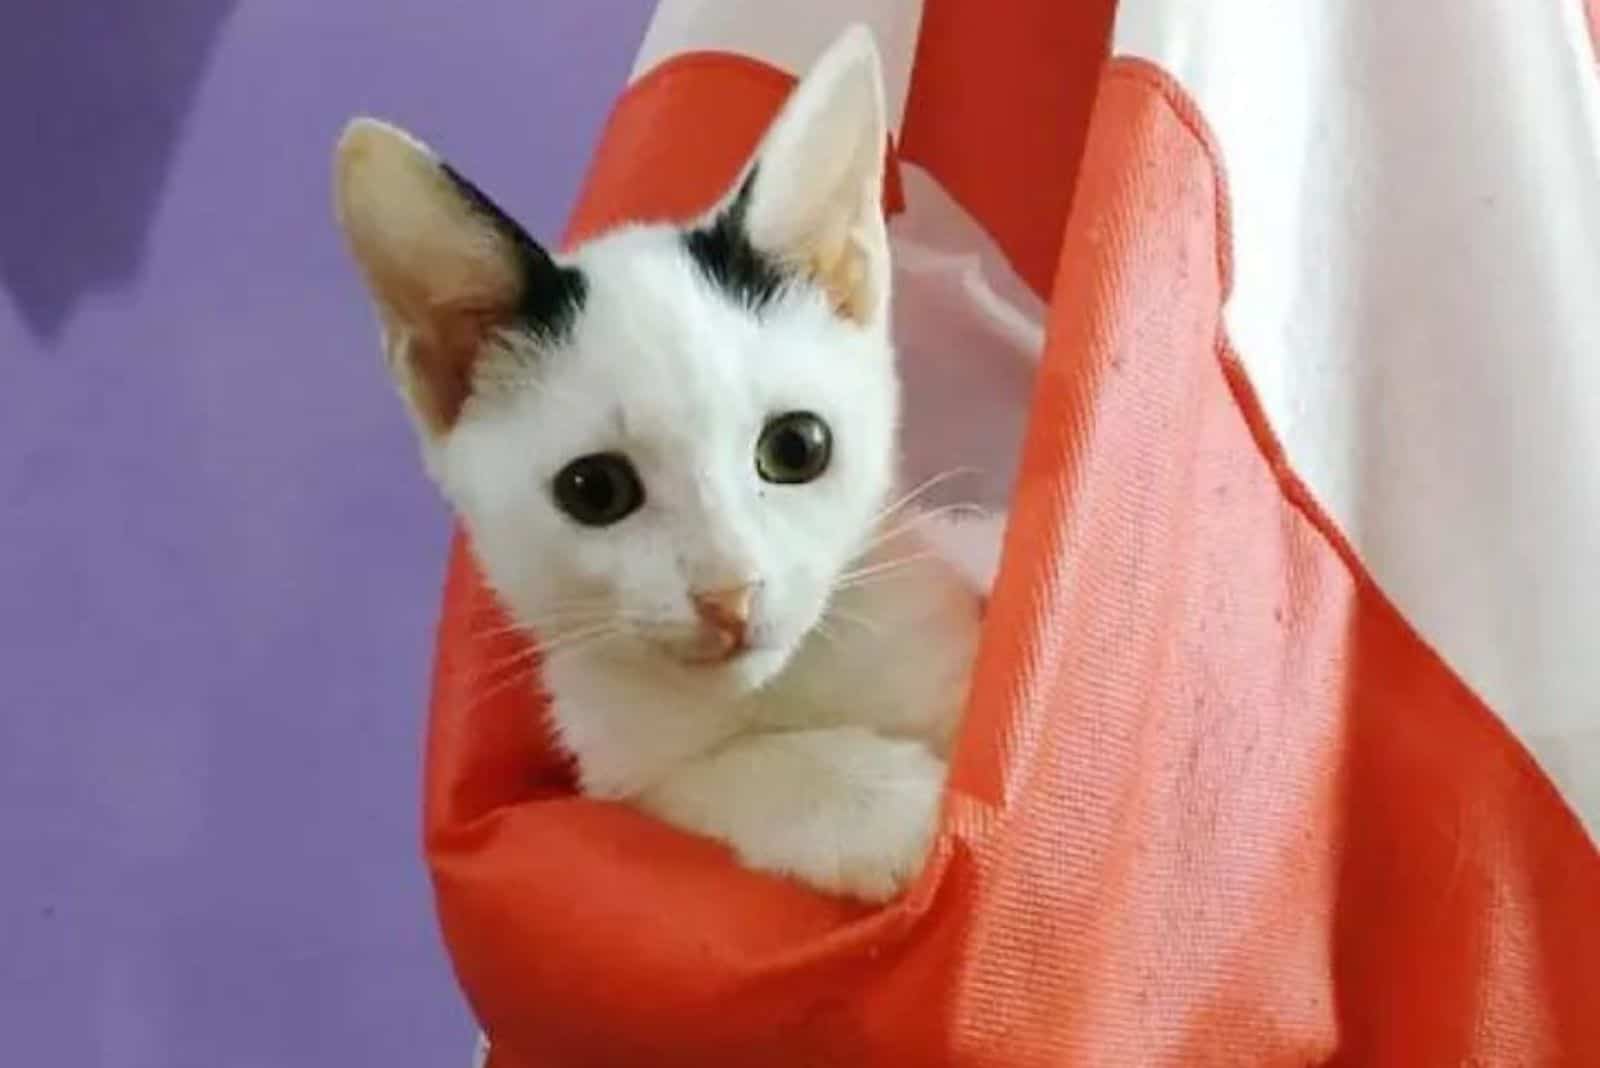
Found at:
<point>585,640</point>
<point>849,578</point>
<point>871,626</point>
<point>545,641</point>
<point>921,488</point>
<point>496,692</point>
<point>522,664</point>
<point>869,580</point>
<point>924,487</point>
<point>490,633</point>
<point>495,613</point>
<point>820,629</point>
<point>887,533</point>
<point>609,616</point>
<point>520,667</point>
<point>501,686</point>
<point>544,624</point>
<point>522,659</point>
<point>576,603</point>
<point>573,639</point>
<point>551,622</point>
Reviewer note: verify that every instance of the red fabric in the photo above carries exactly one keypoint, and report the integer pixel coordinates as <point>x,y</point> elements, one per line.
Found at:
<point>1214,802</point>
<point>998,109</point>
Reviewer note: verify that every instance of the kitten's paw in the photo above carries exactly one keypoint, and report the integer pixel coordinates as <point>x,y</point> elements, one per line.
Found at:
<point>870,838</point>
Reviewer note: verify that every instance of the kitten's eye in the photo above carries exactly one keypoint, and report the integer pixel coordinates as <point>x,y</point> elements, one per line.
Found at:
<point>598,490</point>
<point>794,448</point>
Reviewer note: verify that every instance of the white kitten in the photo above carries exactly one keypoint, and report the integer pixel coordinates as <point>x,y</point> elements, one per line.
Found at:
<point>674,453</point>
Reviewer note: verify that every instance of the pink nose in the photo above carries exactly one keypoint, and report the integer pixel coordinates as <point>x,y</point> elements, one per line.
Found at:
<point>727,612</point>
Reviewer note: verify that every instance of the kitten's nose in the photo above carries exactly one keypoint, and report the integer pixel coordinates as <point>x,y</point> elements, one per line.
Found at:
<point>727,612</point>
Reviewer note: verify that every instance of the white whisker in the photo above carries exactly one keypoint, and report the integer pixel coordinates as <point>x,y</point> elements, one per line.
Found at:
<point>524,677</point>
<point>522,658</point>
<point>922,488</point>
<point>871,626</point>
<point>853,578</point>
<point>820,629</point>
<point>887,533</point>
<point>566,639</point>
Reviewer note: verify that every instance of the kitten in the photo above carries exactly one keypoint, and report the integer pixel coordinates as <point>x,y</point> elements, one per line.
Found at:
<point>674,452</point>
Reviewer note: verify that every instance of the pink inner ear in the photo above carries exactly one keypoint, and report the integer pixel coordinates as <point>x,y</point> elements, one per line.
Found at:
<point>848,282</point>
<point>446,291</point>
<point>444,354</point>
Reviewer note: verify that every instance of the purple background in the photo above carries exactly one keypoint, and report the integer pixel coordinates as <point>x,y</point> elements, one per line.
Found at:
<point>219,561</point>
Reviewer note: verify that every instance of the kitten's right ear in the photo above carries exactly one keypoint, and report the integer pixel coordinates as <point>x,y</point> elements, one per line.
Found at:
<point>447,268</point>
<point>814,197</point>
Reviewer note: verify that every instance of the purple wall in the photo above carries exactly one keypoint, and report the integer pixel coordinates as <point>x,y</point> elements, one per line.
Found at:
<point>218,559</point>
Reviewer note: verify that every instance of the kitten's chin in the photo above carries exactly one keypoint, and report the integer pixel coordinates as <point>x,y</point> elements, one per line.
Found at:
<point>742,673</point>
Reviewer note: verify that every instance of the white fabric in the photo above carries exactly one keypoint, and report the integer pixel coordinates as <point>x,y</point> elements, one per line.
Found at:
<point>789,36</point>
<point>969,333</point>
<point>1416,221</point>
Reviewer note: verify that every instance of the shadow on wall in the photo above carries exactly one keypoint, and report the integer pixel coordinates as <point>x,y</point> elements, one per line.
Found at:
<point>92,101</point>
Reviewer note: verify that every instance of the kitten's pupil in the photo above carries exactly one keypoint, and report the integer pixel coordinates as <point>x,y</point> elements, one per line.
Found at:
<point>794,448</point>
<point>598,490</point>
<point>790,448</point>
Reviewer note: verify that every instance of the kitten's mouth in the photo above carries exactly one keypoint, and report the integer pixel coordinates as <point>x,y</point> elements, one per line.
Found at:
<point>745,657</point>
<point>717,648</point>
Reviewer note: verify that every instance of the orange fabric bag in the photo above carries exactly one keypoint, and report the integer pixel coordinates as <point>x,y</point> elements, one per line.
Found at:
<point>1214,803</point>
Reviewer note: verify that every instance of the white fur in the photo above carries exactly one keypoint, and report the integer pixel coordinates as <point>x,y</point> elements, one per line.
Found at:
<point>820,752</point>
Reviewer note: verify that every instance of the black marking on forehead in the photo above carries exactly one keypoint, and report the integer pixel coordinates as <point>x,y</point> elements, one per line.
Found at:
<point>552,295</point>
<point>724,254</point>
<point>552,300</point>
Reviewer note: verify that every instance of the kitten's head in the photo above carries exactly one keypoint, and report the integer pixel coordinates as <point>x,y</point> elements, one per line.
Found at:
<point>669,444</point>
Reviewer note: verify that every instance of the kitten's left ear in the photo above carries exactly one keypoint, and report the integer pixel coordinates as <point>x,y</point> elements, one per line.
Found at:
<point>446,267</point>
<point>814,199</point>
